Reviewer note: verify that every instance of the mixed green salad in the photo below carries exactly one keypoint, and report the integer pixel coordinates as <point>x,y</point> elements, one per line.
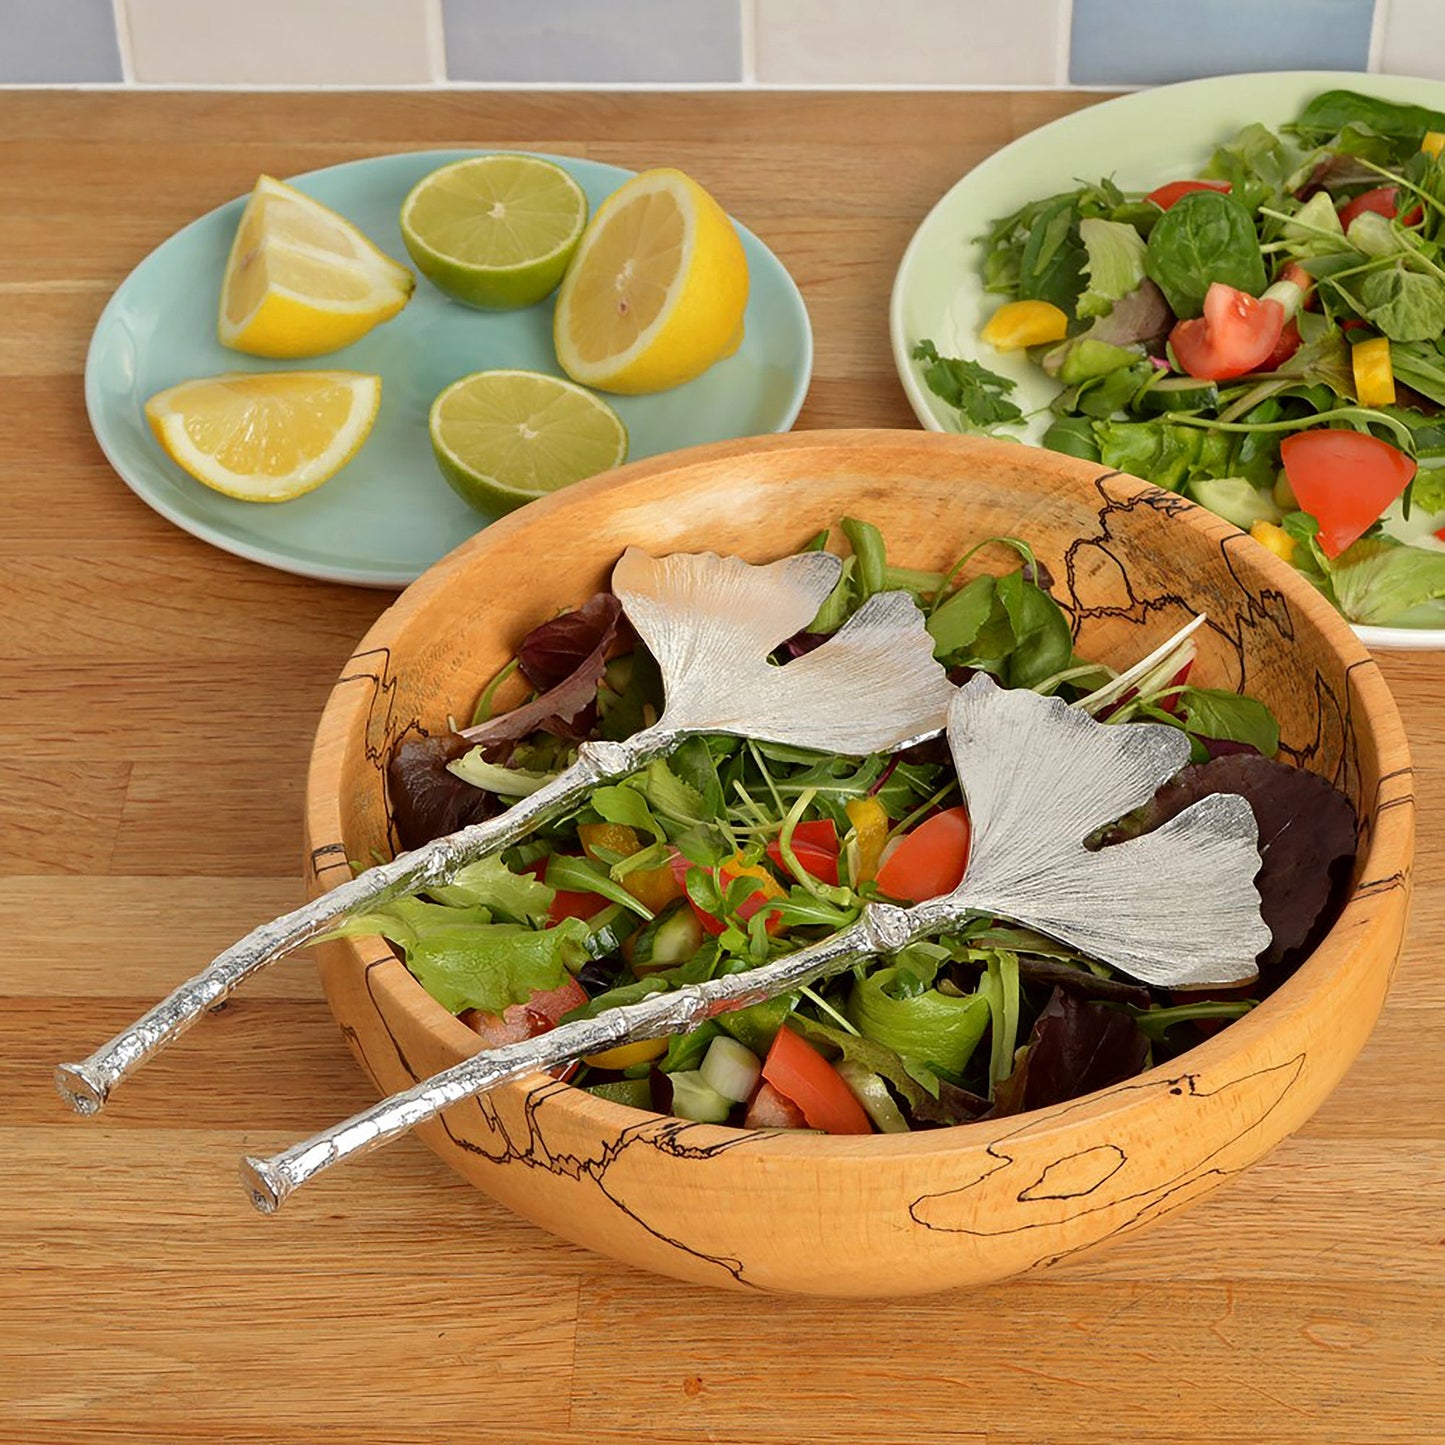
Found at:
<point>730,852</point>
<point>1266,335</point>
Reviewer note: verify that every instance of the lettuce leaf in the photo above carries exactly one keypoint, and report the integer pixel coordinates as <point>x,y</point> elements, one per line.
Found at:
<point>1114,263</point>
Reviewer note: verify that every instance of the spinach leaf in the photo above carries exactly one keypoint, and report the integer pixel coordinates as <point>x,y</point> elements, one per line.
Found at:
<point>1229,717</point>
<point>980,395</point>
<point>1329,114</point>
<point>955,624</point>
<point>1043,640</point>
<point>1073,436</point>
<point>1204,237</point>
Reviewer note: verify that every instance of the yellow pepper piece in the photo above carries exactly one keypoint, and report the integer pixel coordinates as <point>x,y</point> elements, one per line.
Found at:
<point>1275,538</point>
<point>625,1055</point>
<point>1433,142</point>
<point>654,888</point>
<point>1374,376</point>
<point>870,829</point>
<point>609,838</point>
<point>1025,323</point>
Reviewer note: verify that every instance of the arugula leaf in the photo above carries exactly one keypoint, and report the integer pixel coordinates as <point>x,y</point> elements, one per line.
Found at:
<point>980,395</point>
<point>1257,165</point>
<point>1421,366</point>
<point>1405,305</point>
<point>1114,260</point>
<point>1052,265</point>
<point>1206,236</point>
<point>626,806</point>
<point>581,875</point>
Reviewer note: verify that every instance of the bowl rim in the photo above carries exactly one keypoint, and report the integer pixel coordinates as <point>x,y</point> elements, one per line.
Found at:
<point>1387,834</point>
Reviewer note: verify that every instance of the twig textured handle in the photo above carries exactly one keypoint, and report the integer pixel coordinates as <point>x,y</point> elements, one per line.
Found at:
<point>882,928</point>
<point>86,1085</point>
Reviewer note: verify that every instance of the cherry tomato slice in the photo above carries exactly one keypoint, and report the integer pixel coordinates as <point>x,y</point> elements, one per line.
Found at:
<point>1383,201</point>
<point>1345,480</point>
<point>800,1073</point>
<point>526,1020</point>
<point>1236,334</point>
<point>929,861</point>
<point>1284,348</point>
<point>1165,196</point>
<point>815,845</point>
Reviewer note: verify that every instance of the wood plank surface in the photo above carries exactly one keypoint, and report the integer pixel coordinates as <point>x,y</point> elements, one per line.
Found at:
<point>157,700</point>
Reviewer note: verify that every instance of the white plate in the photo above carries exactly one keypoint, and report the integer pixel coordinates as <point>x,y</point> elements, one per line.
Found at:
<point>1142,140</point>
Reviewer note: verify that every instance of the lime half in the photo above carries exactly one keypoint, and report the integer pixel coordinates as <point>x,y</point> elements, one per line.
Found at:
<point>495,231</point>
<point>504,438</point>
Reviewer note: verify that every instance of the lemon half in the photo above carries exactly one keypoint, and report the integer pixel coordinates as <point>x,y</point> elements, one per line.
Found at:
<point>302,280</point>
<point>657,290</point>
<point>265,437</point>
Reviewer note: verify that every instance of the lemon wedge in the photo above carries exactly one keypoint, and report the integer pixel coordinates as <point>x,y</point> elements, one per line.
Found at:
<point>265,437</point>
<point>505,438</point>
<point>657,290</point>
<point>301,280</point>
<point>494,231</point>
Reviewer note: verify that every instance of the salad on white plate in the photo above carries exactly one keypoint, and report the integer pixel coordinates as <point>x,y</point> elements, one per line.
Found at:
<point>1257,322</point>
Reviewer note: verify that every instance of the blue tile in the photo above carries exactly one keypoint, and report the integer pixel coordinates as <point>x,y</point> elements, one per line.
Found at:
<point>57,41</point>
<point>1150,42</point>
<point>621,41</point>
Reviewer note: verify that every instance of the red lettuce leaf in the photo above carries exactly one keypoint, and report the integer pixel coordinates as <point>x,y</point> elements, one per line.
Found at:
<point>566,657</point>
<point>426,800</point>
<point>1307,841</point>
<point>1076,1047</point>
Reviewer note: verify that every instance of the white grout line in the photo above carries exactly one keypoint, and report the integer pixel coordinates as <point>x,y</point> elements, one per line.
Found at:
<point>666,87</point>
<point>1064,51</point>
<point>436,41</point>
<point>748,25</point>
<point>1379,24</point>
<point>122,39</point>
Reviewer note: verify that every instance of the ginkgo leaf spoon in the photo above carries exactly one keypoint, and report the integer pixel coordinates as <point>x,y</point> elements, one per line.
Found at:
<point>1174,907</point>
<point>712,623</point>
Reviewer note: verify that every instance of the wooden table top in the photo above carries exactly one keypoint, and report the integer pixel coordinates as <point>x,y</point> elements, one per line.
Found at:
<point>157,701</point>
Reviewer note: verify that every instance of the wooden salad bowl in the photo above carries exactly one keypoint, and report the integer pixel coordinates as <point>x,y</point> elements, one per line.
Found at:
<point>885,1214</point>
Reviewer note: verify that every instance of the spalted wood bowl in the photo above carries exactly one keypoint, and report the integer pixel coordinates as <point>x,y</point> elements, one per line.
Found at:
<point>887,1214</point>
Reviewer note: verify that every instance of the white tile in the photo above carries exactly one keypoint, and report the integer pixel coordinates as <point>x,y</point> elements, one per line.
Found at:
<point>1414,39</point>
<point>279,42</point>
<point>908,42</point>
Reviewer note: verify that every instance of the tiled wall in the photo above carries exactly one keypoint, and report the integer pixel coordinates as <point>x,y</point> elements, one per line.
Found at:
<point>705,42</point>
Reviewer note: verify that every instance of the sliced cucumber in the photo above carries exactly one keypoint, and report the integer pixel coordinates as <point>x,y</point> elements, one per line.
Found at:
<point>694,1098</point>
<point>635,1093</point>
<point>1178,393</point>
<point>607,930</point>
<point>1236,500</point>
<point>670,939</point>
<point>731,1068</point>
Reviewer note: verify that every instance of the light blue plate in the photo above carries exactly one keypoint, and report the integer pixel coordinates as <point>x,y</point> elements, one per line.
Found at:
<point>388,515</point>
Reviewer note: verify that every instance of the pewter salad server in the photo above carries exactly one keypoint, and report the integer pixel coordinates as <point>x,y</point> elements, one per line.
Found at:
<point>711,622</point>
<point>1175,907</point>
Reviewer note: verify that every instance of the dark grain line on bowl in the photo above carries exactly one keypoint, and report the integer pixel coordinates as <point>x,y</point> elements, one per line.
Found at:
<point>667,1136</point>
<point>1180,1086</point>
